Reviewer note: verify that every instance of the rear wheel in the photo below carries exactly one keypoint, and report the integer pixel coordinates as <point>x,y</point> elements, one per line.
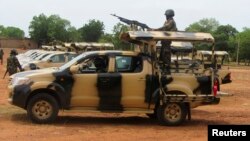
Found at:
<point>172,114</point>
<point>42,108</point>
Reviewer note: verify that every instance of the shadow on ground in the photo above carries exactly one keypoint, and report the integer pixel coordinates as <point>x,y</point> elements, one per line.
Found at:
<point>119,120</point>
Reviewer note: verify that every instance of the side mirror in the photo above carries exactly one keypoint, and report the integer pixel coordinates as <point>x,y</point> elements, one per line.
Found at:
<point>49,61</point>
<point>74,69</point>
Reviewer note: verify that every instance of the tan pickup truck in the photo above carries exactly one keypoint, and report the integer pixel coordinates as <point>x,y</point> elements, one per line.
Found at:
<point>118,82</point>
<point>221,57</point>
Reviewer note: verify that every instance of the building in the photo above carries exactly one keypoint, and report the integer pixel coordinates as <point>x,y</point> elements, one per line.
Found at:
<point>25,43</point>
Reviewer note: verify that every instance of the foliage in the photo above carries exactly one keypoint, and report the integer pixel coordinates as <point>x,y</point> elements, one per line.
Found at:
<point>244,44</point>
<point>92,31</point>
<point>115,37</point>
<point>106,38</point>
<point>204,25</point>
<point>45,29</point>
<point>225,35</point>
<point>222,35</point>
<point>57,28</point>
<point>11,32</point>
<point>73,35</point>
<point>117,30</point>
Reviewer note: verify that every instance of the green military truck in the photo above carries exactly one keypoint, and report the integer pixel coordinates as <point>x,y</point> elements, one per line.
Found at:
<point>119,82</point>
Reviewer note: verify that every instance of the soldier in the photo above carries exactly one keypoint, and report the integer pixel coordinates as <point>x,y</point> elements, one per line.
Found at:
<point>13,63</point>
<point>1,55</point>
<point>165,53</point>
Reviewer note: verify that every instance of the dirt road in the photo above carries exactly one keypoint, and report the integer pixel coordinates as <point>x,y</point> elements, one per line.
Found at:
<point>14,124</point>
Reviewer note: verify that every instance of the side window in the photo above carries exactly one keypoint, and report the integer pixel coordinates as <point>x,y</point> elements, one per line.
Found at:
<point>94,64</point>
<point>71,56</point>
<point>60,58</point>
<point>44,56</point>
<point>128,64</point>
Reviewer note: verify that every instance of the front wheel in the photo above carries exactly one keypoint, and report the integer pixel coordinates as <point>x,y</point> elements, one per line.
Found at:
<point>172,114</point>
<point>42,108</point>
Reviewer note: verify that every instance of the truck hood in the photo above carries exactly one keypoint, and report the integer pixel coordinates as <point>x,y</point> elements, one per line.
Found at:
<point>26,73</point>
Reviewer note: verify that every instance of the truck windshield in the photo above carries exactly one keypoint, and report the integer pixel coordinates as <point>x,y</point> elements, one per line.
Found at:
<point>71,62</point>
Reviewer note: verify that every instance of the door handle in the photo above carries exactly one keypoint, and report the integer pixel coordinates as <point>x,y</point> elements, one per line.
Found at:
<point>142,79</point>
<point>104,80</point>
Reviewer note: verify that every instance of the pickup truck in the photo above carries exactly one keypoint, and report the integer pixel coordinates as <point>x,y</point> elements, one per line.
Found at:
<point>117,81</point>
<point>221,56</point>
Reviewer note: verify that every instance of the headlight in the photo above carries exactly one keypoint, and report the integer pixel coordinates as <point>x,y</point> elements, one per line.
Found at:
<point>20,81</point>
<point>32,66</point>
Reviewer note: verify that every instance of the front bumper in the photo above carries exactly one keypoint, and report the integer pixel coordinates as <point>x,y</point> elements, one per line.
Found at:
<point>18,95</point>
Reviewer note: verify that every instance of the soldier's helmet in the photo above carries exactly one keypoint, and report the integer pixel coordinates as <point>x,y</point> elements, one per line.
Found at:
<point>13,52</point>
<point>169,13</point>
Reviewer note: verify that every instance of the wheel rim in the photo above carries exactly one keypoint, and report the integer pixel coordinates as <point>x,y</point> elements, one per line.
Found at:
<point>172,112</point>
<point>42,109</point>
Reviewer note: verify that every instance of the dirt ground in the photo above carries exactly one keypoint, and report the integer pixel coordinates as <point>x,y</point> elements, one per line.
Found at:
<point>14,124</point>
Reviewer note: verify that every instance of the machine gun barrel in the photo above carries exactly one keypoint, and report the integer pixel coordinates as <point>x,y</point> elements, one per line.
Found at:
<point>131,22</point>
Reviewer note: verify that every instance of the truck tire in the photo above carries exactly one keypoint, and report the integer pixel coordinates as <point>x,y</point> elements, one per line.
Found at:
<point>172,114</point>
<point>42,108</point>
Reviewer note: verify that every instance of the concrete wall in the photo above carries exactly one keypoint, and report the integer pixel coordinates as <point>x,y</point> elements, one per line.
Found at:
<point>18,43</point>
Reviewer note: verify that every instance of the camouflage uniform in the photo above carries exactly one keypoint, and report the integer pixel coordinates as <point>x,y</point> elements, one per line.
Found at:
<point>1,55</point>
<point>165,53</point>
<point>13,64</point>
<point>169,25</point>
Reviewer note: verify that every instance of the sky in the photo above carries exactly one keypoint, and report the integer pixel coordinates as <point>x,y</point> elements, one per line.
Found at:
<point>19,13</point>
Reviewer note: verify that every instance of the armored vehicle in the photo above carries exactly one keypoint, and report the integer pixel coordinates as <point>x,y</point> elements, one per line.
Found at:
<point>119,82</point>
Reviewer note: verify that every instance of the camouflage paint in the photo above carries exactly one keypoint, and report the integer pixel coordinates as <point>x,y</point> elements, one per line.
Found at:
<point>109,91</point>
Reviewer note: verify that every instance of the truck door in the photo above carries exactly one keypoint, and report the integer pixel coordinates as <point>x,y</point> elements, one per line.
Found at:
<point>133,71</point>
<point>95,87</point>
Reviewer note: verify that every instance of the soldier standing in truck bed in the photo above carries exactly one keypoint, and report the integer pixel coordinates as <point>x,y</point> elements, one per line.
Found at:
<point>165,53</point>
<point>13,63</point>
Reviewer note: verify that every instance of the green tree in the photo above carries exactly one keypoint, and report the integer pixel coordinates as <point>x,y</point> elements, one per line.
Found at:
<point>11,32</point>
<point>73,34</point>
<point>106,38</point>
<point>208,25</point>
<point>117,30</point>
<point>38,29</point>
<point>1,30</point>
<point>45,29</point>
<point>14,32</point>
<point>244,40</point>
<point>92,31</point>
<point>58,28</point>
<point>204,25</point>
<point>222,36</point>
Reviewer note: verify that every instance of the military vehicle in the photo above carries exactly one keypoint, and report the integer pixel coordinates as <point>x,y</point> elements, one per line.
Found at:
<point>52,59</point>
<point>92,46</point>
<point>47,47</point>
<point>119,82</point>
<point>220,56</point>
